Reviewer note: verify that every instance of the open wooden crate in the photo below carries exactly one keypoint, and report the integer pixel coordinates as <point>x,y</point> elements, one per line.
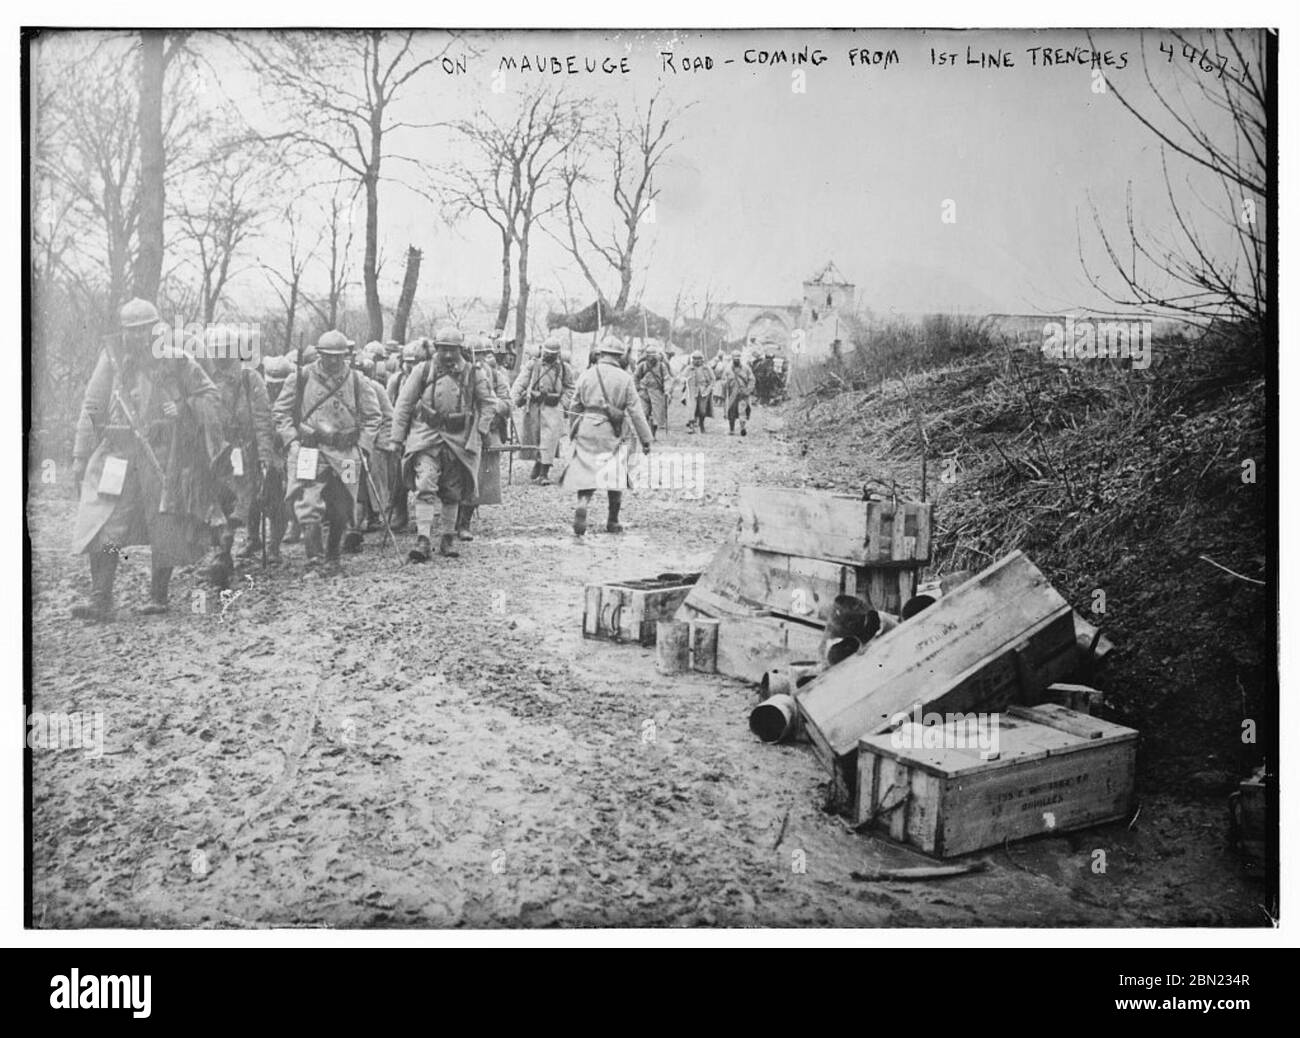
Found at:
<point>628,610</point>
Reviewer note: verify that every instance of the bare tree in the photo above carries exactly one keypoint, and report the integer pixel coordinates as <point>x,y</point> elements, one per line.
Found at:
<point>218,216</point>
<point>509,180</point>
<point>286,277</point>
<point>1227,75</point>
<point>341,90</point>
<point>338,250</point>
<point>637,147</point>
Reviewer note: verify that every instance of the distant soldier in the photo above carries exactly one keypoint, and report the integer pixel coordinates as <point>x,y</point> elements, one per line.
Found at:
<point>763,377</point>
<point>697,380</point>
<point>544,389</point>
<point>274,371</point>
<point>604,401</point>
<point>442,416</point>
<point>253,471</point>
<point>737,386</point>
<point>653,378</point>
<point>326,417</point>
<point>488,490</point>
<point>149,435</point>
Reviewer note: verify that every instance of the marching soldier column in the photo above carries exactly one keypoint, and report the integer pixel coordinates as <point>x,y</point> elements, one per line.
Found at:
<point>178,457</point>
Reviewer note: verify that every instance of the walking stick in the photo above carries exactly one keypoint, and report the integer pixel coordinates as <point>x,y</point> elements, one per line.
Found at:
<point>374,496</point>
<point>261,515</point>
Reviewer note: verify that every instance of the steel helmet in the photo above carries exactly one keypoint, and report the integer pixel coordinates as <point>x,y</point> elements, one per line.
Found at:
<point>449,335</point>
<point>482,344</point>
<point>275,369</point>
<point>551,345</point>
<point>612,346</point>
<point>138,313</point>
<point>334,342</point>
<point>697,355</point>
<point>413,352</point>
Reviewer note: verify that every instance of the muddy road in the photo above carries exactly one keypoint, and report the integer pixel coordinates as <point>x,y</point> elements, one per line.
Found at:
<point>438,746</point>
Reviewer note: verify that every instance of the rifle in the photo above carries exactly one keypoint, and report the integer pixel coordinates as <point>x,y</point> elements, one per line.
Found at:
<point>374,496</point>
<point>126,411</point>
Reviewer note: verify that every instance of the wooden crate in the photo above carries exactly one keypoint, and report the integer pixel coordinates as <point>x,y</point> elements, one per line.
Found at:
<point>744,581</point>
<point>834,527</point>
<point>1001,637</point>
<point>750,646</point>
<point>1055,770</point>
<point>628,610</point>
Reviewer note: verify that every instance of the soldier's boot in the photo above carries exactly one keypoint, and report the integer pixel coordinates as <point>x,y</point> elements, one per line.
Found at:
<point>742,427</point>
<point>537,471</point>
<point>422,550</point>
<point>463,517</point>
<point>222,569</point>
<point>252,542</point>
<point>335,538</point>
<point>276,535</point>
<point>160,579</point>
<point>294,533</point>
<point>311,537</point>
<point>99,606</point>
<point>352,542</point>
<point>731,427</point>
<point>544,476</point>
<point>401,520</point>
<point>690,426</point>
<point>447,542</point>
<point>612,525</point>
<point>580,514</point>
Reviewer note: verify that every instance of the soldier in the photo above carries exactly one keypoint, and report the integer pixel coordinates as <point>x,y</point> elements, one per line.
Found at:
<point>737,385</point>
<point>697,380</point>
<point>442,417</point>
<point>326,415</point>
<point>545,388</point>
<point>414,352</point>
<point>604,400</point>
<point>148,437</point>
<point>653,377</point>
<point>379,462</point>
<point>489,467</point>
<point>253,472</point>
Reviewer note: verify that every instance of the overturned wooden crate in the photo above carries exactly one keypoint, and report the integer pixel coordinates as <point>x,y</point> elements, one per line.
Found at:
<point>1001,637</point>
<point>970,783</point>
<point>628,610</point>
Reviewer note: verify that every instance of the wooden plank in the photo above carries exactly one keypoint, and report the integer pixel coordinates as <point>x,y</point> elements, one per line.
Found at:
<point>742,581</point>
<point>953,656</point>
<point>1053,715</point>
<point>749,646</point>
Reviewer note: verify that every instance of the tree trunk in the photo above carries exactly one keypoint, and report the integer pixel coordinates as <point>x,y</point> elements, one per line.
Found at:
<point>149,259</point>
<point>291,312</point>
<point>521,307</point>
<point>374,309</point>
<point>407,298</point>
<point>503,310</point>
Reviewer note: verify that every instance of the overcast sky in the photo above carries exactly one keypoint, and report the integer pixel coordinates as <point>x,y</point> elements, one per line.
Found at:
<point>767,184</point>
